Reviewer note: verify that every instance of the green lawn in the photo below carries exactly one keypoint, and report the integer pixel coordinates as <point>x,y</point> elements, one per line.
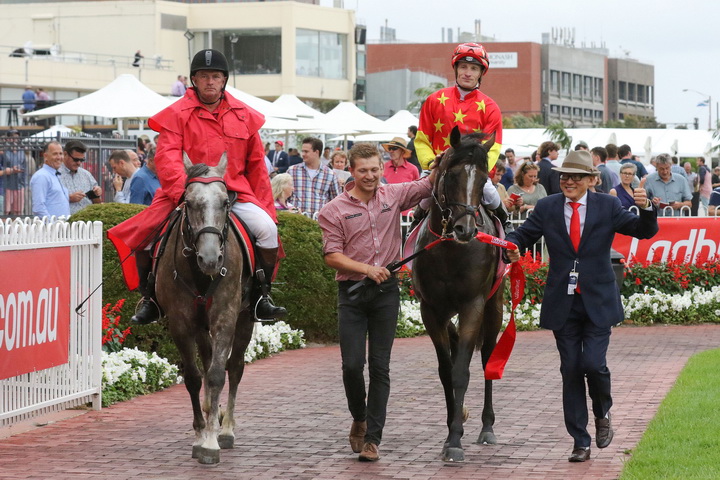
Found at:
<point>683,440</point>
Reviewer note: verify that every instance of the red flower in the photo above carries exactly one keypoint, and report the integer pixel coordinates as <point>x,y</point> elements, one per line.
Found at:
<point>638,281</point>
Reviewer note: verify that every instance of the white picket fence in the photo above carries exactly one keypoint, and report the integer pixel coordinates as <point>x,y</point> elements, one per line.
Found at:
<point>80,380</point>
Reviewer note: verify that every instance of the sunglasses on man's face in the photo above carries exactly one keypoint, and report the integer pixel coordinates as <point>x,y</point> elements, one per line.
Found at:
<point>575,177</point>
<point>78,159</point>
<point>392,149</point>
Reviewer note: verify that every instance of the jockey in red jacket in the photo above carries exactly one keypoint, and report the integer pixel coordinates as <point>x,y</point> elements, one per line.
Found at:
<point>205,123</point>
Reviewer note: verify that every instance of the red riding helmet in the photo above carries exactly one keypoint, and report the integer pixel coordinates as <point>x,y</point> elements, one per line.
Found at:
<point>471,53</point>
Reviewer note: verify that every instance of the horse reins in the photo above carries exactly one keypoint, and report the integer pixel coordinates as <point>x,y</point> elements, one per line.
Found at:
<point>201,298</point>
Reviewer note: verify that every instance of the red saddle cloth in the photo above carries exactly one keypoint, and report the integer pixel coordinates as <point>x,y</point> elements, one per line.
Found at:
<point>129,267</point>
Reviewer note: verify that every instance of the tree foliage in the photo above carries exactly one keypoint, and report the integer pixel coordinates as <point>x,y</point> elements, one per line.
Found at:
<point>522,121</point>
<point>559,135</point>
<point>421,95</point>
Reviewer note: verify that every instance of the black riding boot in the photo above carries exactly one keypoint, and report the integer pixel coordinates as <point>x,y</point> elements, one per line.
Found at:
<point>147,310</point>
<point>504,218</point>
<point>265,310</point>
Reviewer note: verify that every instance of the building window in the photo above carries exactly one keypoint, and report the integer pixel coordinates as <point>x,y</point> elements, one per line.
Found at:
<point>631,92</point>
<point>641,93</point>
<point>650,96</point>
<point>566,111</point>
<point>623,91</point>
<point>555,82</point>
<point>577,112</point>
<point>598,94</point>
<point>256,52</point>
<point>587,87</point>
<point>321,54</point>
<point>587,113</point>
<point>577,80</point>
<point>599,115</point>
<point>566,84</point>
<point>361,63</point>
<point>555,109</point>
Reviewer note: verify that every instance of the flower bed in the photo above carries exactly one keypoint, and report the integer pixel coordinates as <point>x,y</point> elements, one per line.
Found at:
<point>652,292</point>
<point>128,373</point>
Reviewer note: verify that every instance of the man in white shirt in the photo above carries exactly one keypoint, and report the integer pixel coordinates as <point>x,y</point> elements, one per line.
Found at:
<point>124,168</point>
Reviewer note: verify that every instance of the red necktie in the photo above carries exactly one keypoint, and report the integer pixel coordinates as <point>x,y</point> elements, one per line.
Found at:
<point>575,225</point>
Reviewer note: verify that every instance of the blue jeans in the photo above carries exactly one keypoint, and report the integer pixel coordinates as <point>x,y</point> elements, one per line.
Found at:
<point>373,315</point>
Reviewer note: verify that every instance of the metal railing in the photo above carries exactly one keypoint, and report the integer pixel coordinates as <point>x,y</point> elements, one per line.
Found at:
<point>96,162</point>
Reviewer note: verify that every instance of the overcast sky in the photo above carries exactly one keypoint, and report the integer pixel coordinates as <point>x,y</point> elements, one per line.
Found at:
<point>681,39</point>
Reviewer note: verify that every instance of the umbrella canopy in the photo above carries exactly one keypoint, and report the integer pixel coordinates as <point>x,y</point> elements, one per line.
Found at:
<point>400,122</point>
<point>291,106</point>
<point>347,119</point>
<point>62,130</point>
<point>124,97</point>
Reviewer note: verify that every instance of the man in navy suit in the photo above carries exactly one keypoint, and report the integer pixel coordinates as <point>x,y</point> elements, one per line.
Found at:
<point>279,158</point>
<point>582,300</point>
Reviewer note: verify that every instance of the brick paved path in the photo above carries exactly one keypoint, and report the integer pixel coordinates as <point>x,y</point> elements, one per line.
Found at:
<point>293,421</point>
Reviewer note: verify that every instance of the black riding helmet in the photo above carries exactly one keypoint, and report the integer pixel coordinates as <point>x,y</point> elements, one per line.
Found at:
<point>209,59</point>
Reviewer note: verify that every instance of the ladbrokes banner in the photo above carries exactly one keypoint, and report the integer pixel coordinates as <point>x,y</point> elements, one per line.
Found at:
<point>683,238</point>
<point>34,310</point>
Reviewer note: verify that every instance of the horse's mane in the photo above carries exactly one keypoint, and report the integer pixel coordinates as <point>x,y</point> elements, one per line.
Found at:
<point>197,170</point>
<point>464,153</point>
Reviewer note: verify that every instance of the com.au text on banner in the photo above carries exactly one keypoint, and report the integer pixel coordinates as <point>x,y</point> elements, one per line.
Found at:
<point>34,310</point>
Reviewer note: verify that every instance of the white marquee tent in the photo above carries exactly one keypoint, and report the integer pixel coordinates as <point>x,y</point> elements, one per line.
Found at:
<point>124,97</point>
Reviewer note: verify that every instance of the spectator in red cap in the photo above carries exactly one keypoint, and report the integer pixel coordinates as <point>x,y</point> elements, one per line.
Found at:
<point>279,158</point>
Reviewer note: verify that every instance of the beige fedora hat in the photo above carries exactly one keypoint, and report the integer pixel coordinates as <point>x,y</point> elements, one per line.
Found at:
<point>578,161</point>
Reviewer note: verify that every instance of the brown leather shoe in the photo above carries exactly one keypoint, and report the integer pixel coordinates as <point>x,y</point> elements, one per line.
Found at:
<point>603,431</point>
<point>580,455</point>
<point>357,436</point>
<point>370,453</point>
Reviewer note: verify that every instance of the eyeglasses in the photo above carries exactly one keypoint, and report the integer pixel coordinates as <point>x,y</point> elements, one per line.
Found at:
<point>392,149</point>
<point>78,159</point>
<point>575,177</point>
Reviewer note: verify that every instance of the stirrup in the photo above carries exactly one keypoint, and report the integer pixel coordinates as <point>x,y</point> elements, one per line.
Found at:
<point>269,300</point>
<point>146,303</point>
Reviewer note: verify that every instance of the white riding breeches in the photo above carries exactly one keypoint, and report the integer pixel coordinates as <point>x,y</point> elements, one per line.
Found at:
<point>491,198</point>
<point>259,223</point>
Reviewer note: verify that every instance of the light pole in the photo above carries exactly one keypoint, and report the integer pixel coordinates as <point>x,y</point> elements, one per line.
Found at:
<point>233,40</point>
<point>189,35</point>
<point>709,104</point>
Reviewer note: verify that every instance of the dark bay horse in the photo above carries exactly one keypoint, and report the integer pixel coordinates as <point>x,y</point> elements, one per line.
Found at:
<point>199,285</point>
<point>456,277</point>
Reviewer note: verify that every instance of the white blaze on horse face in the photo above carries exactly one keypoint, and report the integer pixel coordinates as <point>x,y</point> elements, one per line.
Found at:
<point>470,169</point>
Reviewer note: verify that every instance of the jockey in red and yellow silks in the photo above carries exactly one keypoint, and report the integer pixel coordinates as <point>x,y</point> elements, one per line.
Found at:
<point>462,105</point>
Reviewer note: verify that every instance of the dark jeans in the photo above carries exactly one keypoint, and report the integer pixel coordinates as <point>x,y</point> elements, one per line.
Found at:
<point>373,315</point>
<point>583,349</point>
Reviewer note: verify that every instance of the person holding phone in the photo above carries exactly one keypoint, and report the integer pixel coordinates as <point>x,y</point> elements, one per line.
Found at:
<point>525,193</point>
<point>82,186</point>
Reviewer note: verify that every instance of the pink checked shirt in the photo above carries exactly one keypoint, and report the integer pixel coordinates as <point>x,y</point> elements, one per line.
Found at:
<point>369,233</point>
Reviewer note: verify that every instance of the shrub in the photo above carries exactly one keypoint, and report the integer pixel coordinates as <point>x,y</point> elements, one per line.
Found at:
<point>304,284</point>
<point>150,338</point>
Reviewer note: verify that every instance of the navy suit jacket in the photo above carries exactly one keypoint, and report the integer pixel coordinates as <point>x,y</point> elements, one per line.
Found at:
<point>600,293</point>
<point>283,161</point>
<point>549,178</point>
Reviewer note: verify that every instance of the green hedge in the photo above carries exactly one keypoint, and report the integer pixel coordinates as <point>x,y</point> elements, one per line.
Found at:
<point>305,286</point>
<point>150,338</point>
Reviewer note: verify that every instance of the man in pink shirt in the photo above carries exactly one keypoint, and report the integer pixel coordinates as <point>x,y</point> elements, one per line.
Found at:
<point>398,169</point>
<point>361,234</point>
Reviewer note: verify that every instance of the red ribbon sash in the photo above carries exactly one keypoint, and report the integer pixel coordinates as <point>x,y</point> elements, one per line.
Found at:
<point>501,354</point>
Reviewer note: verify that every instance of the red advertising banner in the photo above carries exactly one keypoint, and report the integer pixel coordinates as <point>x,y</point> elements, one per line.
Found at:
<point>680,238</point>
<point>34,310</point>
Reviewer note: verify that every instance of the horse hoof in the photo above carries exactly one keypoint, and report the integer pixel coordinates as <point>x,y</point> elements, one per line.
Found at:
<point>226,441</point>
<point>466,413</point>
<point>453,455</point>
<point>207,456</point>
<point>487,438</point>
<point>196,451</point>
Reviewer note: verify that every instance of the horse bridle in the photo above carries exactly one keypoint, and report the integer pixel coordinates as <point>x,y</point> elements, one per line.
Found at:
<point>188,250</point>
<point>446,211</point>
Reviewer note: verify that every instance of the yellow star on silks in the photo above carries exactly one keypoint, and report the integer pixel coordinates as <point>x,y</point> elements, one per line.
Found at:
<point>481,105</point>
<point>438,151</point>
<point>459,116</point>
<point>446,140</point>
<point>477,130</point>
<point>442,98</point>
<point>438,126</point>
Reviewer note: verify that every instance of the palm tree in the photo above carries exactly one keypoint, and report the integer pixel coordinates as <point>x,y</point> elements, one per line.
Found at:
<point>421,95</point>
<point>559,135</point>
